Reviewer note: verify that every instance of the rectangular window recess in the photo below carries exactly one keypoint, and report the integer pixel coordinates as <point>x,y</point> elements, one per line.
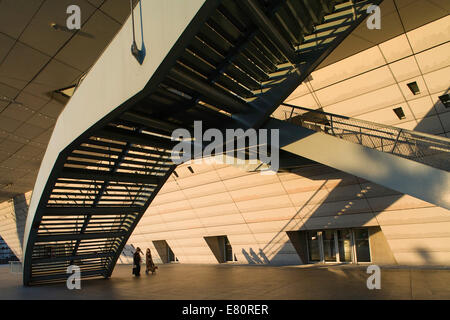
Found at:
<point>414,88</point>
<point>399,112</point>
<point>175,173</point>
<point>445,99</point>
<point>190,169</point>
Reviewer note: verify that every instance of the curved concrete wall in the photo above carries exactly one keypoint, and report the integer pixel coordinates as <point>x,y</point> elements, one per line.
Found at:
<point>255,212</point>
<point>13,214</point>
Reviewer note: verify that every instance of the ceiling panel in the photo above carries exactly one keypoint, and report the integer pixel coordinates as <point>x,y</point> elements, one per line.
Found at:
<point>42,121</point>
<point>57,75</point>
<point>420,12</point>
<point>52,109</point>
<point>41,91</point>
<point>3,105</point>
<point>41,36</point>
<point>6,43</point>
<point>118,9</point>
<point>8,91</point>
<point>31,101</point>
<point>96,3</point>
<point>8,124</point>
<point>15,15</point>
<point>44,137</point>
<point>445,5</point>
<point>28,73</point>
<point>17,112</point>
<point>10,146</point>
<point>103,29</point>
<point>29,151</point>
<point>22,63</point>
<point>29,131</point>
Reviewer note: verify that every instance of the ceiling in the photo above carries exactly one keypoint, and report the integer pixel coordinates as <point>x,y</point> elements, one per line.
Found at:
<point>36,60</point>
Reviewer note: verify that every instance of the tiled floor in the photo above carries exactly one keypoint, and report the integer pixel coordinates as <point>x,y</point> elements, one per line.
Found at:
<point>184,281</point>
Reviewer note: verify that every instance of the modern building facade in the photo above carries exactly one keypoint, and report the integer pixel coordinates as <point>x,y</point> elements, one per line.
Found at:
<point>317,209</point>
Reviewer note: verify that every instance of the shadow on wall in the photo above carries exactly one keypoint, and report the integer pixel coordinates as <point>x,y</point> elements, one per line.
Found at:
<point>253,258</point>
<point>316,207</point>
<point>425,255</point>
<point>20,212</point>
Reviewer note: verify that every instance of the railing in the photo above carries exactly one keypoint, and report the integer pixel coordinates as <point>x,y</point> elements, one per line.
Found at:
<point>421,147</point>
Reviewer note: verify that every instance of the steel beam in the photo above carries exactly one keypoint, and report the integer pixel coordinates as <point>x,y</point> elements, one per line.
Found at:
<point>67,211</point>
<point>77,236</point>
<point>86,174</point>
<point>267,27</point>
<point>223,100</point>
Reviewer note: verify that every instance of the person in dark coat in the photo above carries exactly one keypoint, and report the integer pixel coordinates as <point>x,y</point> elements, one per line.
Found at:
<point>150,266</point>
<point>137,262</point>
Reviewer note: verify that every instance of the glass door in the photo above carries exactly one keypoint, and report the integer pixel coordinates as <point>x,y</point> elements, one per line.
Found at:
<point>345,245</point>
<point>362,245</point>
<point>329,247</point>
<point>314,246</point>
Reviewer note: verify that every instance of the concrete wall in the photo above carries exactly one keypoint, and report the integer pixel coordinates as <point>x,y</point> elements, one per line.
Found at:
<point>13,214</point>
<point>380,250</point>
<point>256,211</point>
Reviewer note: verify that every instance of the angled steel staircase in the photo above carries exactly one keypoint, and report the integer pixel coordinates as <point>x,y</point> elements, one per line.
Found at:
<point>232,66</point>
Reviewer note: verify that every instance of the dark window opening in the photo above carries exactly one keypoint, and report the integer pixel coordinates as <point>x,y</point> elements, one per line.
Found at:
<point>445,99</point>
<point>164,251</point>
<point>414,88</point>
<point>399,112</point>
<point>221,248</point>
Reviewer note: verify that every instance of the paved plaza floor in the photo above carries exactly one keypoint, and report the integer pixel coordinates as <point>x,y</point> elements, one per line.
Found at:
<point>243,282</point>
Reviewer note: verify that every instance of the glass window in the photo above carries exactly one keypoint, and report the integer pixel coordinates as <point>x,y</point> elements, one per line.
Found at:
<point>362,245</point>
<point>329,249</point>
<point>313,246</point>
<point>345,245</point>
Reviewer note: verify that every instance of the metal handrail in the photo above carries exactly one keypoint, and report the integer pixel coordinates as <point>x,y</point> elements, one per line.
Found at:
<point>416,133</point>
<point>421,147</point>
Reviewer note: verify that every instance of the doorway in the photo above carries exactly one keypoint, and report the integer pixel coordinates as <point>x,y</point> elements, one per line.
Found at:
<point>221,248</point>
<point>342,245</point>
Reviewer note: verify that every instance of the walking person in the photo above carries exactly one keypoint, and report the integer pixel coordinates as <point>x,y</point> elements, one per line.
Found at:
<point>137,262</point>
<point>150,266</point>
